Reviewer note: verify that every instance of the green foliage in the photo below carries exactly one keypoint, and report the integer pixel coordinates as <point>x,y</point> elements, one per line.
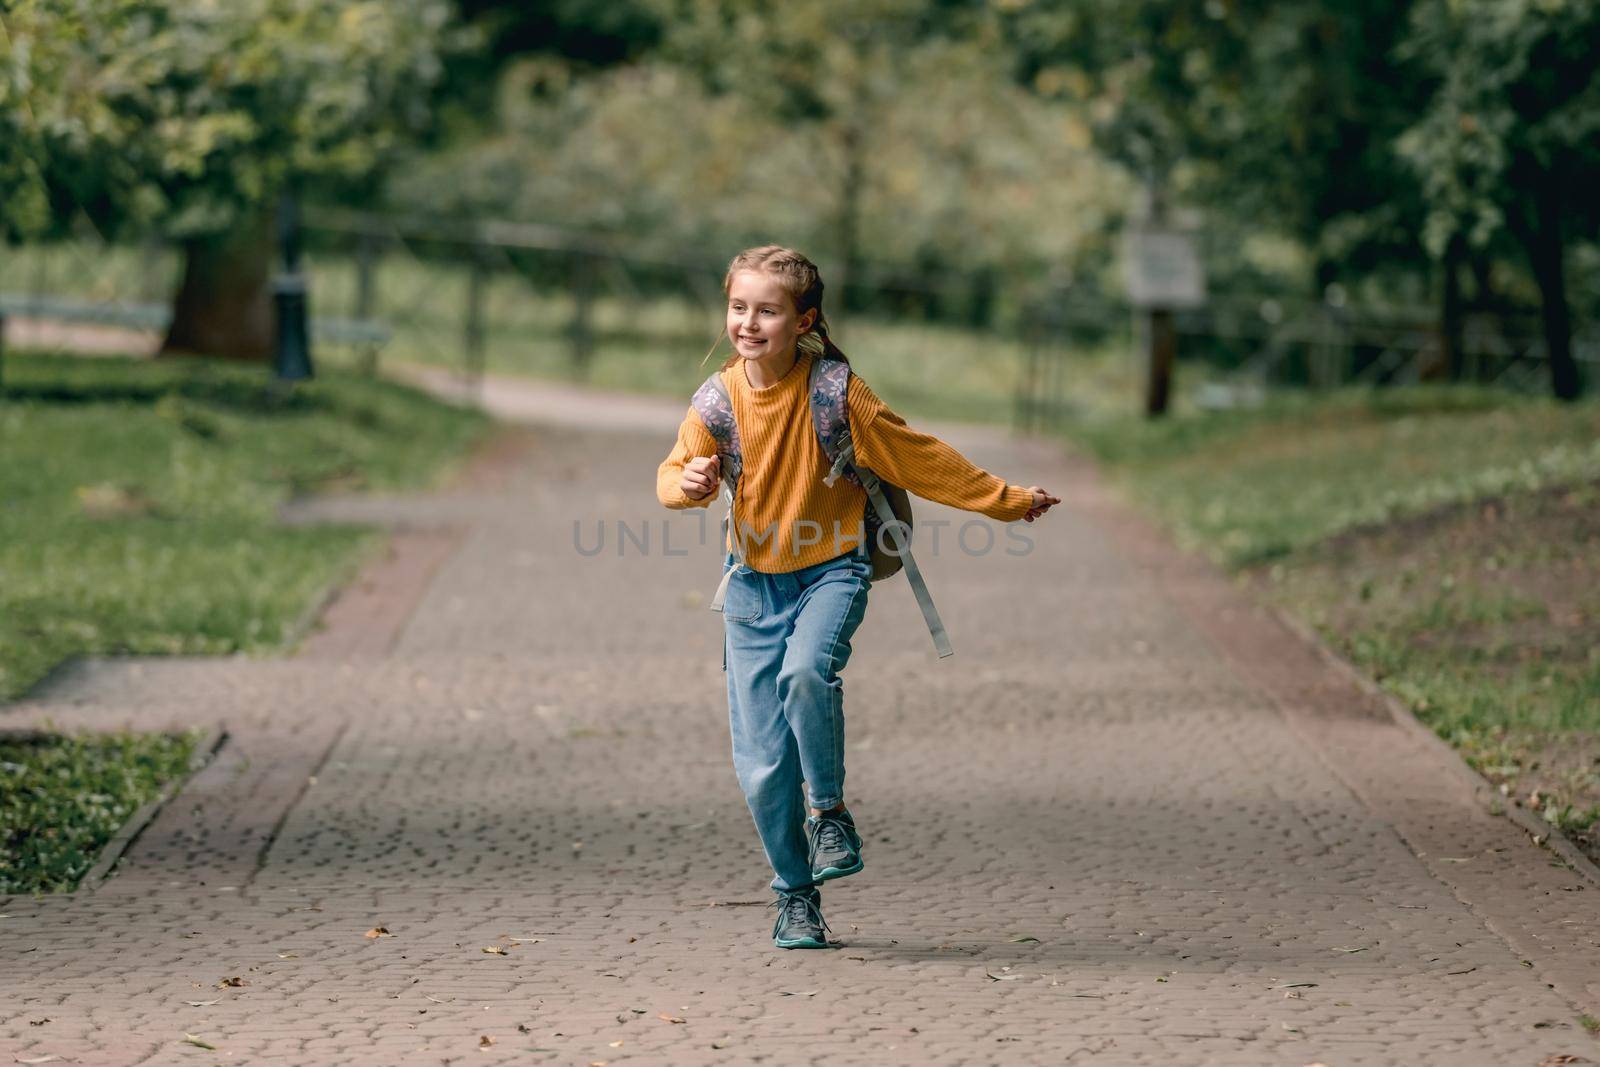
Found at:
<point>1276,116</point>
<point>1516,114</point>
<point>62,799</point>
<point>188,114</point>
<point>861,133</point>
<point>141,502</point>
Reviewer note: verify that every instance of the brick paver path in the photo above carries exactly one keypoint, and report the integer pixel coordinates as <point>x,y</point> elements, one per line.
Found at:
<point>1130,822</point>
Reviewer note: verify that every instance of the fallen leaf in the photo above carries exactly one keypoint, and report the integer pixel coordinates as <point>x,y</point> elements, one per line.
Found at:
<point>615,1044</point>
<point>436,1000</point>
<point>1561,1059</point>
<point>494,950</point>
<point>1351,951</point>
<point>232,983</point>
<point>1006,977</point>
<point>288,955</point>
<point>379,931</point>
<point>1021,939</point>
<point>198,1042</point>
<point>1293,995</point>
<point>39,1059</point>
<point>1469,970</point>
<point>804,993</point>
<point>203,1003</point>
<point>522,1028</point>
<point>669,1018</point>
<point>485,1042</point>
<point>1296,985</point>
<point>526,940</point>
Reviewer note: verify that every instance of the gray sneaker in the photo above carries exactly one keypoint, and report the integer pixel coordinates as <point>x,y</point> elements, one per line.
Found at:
<point>800,923</point>
<point>835,846</point>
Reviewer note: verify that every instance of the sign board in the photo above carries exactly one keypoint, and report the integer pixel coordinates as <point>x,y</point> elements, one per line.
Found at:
<point>1162,269</point>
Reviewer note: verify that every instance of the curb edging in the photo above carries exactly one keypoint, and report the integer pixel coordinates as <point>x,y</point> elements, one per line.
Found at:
<point>1542,832</point>
<point>204,751</point>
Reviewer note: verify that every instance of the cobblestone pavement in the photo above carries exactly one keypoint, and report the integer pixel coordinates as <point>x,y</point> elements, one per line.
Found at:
<point>1130,822</point>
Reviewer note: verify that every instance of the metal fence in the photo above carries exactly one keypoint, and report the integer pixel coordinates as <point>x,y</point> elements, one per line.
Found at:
<point>543,301</point>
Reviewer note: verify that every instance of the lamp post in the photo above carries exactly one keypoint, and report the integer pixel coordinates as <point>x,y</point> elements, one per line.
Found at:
<point>291,357</point>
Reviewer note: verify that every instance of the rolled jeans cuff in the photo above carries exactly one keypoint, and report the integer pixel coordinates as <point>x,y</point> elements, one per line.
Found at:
<point>827,802</point>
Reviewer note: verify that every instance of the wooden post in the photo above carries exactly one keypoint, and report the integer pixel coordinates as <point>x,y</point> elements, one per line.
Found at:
<point>581,332</point>
<point>366,263</point>
<point>1163,276</point>
<point>1163,347</point>
<point>477,279</point>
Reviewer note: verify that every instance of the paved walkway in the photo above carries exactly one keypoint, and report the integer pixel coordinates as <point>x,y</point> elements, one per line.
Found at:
<point>1132,821</point>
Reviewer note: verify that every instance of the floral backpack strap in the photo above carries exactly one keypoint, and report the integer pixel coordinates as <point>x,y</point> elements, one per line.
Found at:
<point>830,414</point>
<point>715,408</point>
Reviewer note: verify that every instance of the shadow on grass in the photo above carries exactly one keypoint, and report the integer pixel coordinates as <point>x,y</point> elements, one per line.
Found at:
<point>242,397</point>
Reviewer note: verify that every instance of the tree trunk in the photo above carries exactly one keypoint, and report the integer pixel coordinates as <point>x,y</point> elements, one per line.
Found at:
<point>1452,317</point>
<point>224,305</point>
<point>1546,247</point>
<point>849,221</point>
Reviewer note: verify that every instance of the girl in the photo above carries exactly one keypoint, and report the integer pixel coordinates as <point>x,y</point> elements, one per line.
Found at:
<point>792,607</point>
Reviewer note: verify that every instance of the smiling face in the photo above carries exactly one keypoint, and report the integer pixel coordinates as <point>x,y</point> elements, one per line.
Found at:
<point>762,320</point>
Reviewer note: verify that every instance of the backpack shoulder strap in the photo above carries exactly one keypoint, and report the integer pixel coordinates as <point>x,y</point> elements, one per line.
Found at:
<point>830,414</point>
<point>715,408</point>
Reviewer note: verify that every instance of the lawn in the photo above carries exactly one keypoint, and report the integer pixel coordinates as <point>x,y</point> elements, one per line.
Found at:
<point>1446,541</point>
<point>139,501</point>
<point>63,798</point>
<point>138,508</point>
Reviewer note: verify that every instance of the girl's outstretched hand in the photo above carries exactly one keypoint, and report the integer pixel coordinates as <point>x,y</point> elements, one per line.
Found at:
<point>700,477</point>
<point>1042,502</point>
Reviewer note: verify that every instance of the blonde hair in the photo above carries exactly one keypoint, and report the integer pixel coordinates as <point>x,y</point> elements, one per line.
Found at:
<point>799,278</point>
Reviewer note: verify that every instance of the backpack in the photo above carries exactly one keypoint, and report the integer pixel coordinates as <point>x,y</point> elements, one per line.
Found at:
<point>888,514</point>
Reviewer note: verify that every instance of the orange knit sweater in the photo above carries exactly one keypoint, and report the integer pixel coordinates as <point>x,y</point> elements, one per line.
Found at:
<point>784,465</point>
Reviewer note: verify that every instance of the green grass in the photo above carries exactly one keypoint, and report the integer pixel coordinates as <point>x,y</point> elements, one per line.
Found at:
<point>139,501</point>
<point>1444,540</point>
<point>1253,486</point>
<point>63,798</point>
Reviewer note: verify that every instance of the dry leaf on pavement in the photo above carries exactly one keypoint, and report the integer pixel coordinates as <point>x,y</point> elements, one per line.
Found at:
<point>379,931</point>
<point>669,1018</point>
<point>198,1042</point>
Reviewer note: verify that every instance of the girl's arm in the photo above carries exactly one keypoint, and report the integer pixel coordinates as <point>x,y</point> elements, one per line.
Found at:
<point>694,443</point>
<point>922,464</point>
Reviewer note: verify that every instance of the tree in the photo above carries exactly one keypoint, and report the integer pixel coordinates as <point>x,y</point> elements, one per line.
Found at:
<point>745,128</point>
<point>1277,115</point>
<point>1511,140</point>
<point>194,117</point>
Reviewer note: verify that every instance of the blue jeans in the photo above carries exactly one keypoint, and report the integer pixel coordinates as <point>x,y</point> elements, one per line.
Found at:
<point>787,639</point>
